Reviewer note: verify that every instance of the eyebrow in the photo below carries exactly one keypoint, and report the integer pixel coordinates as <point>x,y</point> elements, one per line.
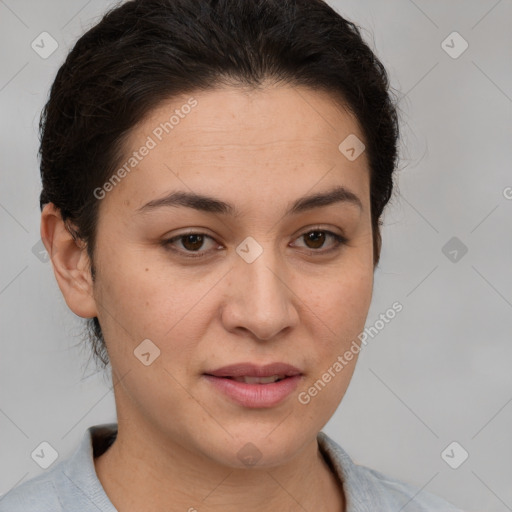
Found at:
<point>209,204</point>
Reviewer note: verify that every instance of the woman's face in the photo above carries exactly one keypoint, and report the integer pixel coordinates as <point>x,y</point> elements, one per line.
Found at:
<point>263,283</point>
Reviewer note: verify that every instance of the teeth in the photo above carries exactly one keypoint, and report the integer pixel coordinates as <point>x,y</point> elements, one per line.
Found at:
<point>259,380</point>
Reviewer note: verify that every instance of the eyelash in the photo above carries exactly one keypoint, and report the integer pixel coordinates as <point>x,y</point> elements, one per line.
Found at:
<point>339,239</point>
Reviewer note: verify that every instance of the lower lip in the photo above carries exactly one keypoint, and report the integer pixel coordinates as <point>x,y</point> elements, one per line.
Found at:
<point>255,395</point>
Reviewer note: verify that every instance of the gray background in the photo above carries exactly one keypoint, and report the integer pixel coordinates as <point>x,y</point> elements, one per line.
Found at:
<point>439,372</point>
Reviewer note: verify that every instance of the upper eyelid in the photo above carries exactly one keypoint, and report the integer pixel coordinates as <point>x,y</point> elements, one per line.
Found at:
<point>330,232</point>
<point>302,233</point>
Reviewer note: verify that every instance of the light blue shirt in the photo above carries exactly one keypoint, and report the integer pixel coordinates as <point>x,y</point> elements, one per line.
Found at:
<point>73,486</point>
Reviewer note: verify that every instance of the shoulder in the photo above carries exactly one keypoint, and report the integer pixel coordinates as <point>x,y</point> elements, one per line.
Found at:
<point>368,489</point>
<point>399,495</point>
<point>36,495</point>
<point>71,485</point>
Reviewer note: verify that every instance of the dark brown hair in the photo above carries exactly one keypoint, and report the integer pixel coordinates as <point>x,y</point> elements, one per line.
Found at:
<point>146,51</point>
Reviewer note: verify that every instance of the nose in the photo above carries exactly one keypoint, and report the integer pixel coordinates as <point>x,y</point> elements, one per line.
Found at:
<point>259,297</point>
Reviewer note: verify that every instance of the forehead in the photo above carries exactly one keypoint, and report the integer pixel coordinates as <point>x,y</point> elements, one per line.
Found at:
<point>257,116</point>
<point>281,138</point>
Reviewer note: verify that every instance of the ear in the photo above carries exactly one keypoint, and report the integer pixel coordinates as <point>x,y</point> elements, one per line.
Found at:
<point>70,261</point>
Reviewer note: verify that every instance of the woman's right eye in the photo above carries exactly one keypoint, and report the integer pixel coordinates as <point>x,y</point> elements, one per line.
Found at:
<point>190,242</point>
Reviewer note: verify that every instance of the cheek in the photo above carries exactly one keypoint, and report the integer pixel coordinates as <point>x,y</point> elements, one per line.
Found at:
<point>127,295</point>
<point>340,303</point>
<point>337,315</point>
<point>139,299</point>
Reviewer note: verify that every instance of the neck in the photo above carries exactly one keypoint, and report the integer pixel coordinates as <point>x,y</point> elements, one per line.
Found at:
<point>163,476</point>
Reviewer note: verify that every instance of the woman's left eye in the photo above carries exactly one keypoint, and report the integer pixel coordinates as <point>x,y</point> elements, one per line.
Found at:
<point>192,242</point>
<point>317,237</point>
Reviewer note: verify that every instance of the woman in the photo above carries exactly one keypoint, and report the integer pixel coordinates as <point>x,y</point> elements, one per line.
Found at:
<point>214,174</point>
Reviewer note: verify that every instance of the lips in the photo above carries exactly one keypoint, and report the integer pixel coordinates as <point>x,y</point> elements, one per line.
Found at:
<point>252,386</point>
<point>249,372</point>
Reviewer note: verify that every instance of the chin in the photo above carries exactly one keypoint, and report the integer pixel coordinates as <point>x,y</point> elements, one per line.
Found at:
<point>261,448</point>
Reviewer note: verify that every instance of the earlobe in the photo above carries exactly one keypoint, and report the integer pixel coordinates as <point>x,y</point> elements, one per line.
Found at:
<point>70,261</point>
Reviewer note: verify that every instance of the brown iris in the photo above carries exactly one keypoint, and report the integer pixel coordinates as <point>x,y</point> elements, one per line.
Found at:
<point>196,241</point>
<point>316,237</point>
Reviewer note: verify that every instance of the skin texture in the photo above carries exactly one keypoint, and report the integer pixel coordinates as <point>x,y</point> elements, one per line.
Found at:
<point>178,436</point>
